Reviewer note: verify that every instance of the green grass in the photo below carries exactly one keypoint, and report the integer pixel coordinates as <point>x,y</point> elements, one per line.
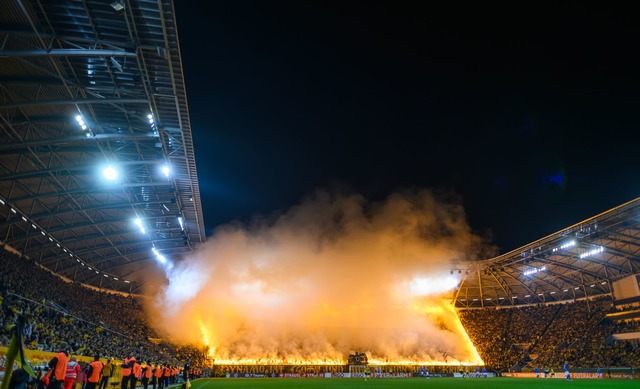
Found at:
<point>407,383</point>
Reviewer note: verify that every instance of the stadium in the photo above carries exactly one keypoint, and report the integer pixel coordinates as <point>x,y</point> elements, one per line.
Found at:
<point>99,193</point>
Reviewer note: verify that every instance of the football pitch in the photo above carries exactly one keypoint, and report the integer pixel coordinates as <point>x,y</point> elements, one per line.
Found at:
<point>407,383</point>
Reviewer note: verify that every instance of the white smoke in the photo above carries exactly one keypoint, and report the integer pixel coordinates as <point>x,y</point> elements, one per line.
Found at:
<point>333,275</point>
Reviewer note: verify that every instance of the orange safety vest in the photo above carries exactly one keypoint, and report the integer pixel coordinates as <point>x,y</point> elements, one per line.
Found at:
<point>167,372</point>
<point>126,371</point>
<point>147,372</point>
<point>61,366</point>
<point>137,368</point>
<point>95,372</point>
<point>158,372</point>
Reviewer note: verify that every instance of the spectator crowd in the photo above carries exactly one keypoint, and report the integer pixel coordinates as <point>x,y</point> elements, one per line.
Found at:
<point>90,322</point>
<point>548,335</point>
<point>114,326</point>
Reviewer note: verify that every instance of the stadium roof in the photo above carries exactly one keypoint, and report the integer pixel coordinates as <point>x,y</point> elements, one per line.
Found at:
<point>85,84</point>
<point>577,262</point>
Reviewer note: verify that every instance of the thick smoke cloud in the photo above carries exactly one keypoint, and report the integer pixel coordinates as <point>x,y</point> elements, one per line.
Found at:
<point>331,276</point>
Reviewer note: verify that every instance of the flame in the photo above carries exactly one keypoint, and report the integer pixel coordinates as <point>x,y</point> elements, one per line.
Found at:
<point>444,313</point>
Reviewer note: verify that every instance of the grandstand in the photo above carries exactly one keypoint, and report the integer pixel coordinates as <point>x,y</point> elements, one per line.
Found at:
<point>87,85</point>
<point>583,260</point>
<point>97,168</point>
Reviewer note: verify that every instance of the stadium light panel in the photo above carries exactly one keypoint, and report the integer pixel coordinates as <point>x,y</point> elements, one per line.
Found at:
<point>182,226</point>
<point>110,173</point>
<point>127,281</point>
<point>534,271</point>
<point>592,252</point>
<point>528,295</point>
<point>115,278</point>
<point>161,258</point>
<point>603,282</point>
<point>2,201</point>
<point>565,246</point>
<point>166,171</point>
<point>138,222</point>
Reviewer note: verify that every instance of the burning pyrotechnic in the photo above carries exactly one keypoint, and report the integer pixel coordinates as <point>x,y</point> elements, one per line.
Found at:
<point>330,277</point>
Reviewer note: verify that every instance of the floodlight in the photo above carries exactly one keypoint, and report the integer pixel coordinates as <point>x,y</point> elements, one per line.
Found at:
<point>160,257</point>
<point>592,252</point>
<point>110,173</point>
<point>138,223</point>
<point>117,6</point>
<point>166,170</point>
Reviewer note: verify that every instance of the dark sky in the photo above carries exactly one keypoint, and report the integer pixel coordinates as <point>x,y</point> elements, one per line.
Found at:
<point>529,113</point>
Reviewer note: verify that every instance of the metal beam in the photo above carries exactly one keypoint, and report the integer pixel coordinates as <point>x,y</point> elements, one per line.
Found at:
<point>66,53</point>
<point>32,103</point>
<point>74,168</point>
<point>77,138</point>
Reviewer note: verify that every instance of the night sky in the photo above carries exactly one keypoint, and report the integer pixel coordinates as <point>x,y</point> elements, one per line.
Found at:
<point>528,113</point>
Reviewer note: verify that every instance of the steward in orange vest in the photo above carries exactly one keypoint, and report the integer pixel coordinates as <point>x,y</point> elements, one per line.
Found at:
<point>157,377</point>
<point>93,375</point>
<point>146,374</point>
<point>135,374</point>
<point>166,373</point>
<point>127,370</point>
<point>58,367</point>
